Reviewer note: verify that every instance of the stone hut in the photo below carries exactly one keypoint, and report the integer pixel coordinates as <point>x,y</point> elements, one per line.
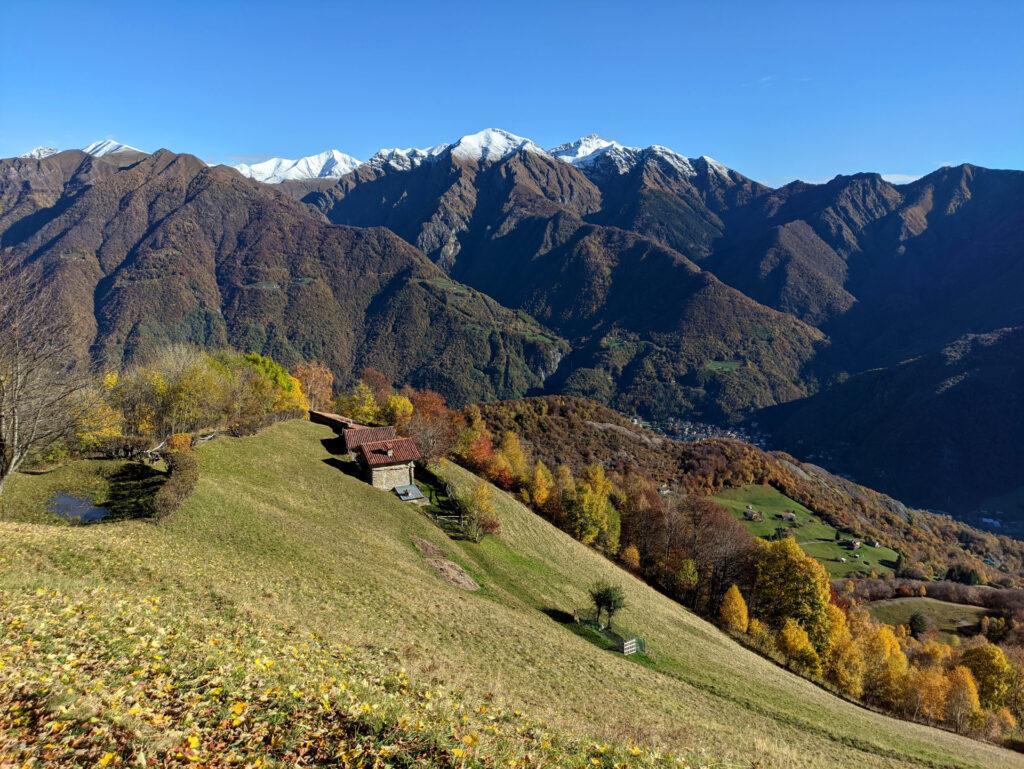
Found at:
<point>389,463</point>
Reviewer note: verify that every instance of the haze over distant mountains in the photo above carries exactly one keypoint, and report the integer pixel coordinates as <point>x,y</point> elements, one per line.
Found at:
<point>873,327</point>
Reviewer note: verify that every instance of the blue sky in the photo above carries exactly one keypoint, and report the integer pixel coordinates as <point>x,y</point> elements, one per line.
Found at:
<point>777,90</point>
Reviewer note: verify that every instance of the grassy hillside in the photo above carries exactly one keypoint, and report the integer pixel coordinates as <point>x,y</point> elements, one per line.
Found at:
<point>814,535</point>
<point>949,619</point>
<point>279,541</point>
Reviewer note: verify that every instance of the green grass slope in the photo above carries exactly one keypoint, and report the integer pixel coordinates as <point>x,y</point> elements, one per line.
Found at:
<point>279,537</point>
<point>817,538</point>
<point>950,619</point>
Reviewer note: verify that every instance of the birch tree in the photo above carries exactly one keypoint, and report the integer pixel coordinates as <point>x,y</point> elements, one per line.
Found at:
<point>42,388</point>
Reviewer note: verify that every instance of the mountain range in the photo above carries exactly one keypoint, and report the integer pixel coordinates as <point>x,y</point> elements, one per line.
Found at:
<point>870,326</point>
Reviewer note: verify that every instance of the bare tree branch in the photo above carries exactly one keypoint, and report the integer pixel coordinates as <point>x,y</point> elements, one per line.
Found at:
<point>42,385</point>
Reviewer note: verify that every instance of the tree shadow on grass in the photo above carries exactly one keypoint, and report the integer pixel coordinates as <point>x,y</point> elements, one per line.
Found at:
<point>132,489</point>
<point>559,616</point>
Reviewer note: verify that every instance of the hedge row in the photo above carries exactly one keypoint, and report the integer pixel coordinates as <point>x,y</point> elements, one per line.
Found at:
<point>182,477</point>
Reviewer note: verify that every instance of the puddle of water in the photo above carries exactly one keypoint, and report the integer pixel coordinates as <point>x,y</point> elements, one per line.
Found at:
<point>77,509</point>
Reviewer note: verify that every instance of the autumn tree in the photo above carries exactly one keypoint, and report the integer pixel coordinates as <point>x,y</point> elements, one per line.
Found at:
<point>42,386</point>
<point>398,411</point>
<point>514,452</point>
<point>789,584</point>
<point>317,383</point>
<point>630,557</point>
<point>359,404</point>
<point>885,676</point>
<point>842,659</point>
<point>433,426</point>
<point>963,706</point>
<point>992,673</point>
<point>795,645</point>
<point>594,519</point>
<point>733,612</point>
<point>926,693</point>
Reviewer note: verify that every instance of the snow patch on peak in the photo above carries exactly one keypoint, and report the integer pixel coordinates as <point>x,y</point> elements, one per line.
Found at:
<point>398,159</point>
<point>679,162</point>
<point>714,165</point>
<point>108,147</point>
<point>490,145</point>
<point>331,164</point>
<point>591,150</point>
<point>39,153</point>
<point>583,149</point>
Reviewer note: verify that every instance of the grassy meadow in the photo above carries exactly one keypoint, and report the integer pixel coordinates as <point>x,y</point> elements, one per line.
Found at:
<point>321,586</point>
<point>817,538</point>
<point>950,619</point>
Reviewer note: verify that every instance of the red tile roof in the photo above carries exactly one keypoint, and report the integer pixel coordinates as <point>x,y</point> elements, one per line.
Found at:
<point>357,436</point>
<point>391,452</point>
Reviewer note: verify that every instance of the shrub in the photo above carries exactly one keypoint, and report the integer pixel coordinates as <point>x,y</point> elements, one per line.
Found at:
<point>179,442</point>
<point>182,477</point>
<point>630,557</point>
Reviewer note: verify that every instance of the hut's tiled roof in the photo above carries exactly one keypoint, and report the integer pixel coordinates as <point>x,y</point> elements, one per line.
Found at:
<point>389,452</point>
<point>357,436</point>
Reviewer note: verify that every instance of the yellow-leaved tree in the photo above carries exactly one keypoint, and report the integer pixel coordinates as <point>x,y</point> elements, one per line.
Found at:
<point>512,449</point>
<point>317,383</point>
<point>843,661</point>
<point>795,645</point>
<point>963,708</point>
<point>789,584</point>
<point>541,485</point>
<point>398,411</point>
<point>992,672</point>
<point>926,694</point>
<point>359,404</point>
<point>885,677</point>
<point>733,611</point>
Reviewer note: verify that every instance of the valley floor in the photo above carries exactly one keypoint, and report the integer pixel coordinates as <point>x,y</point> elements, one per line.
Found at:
<point>279,536</point>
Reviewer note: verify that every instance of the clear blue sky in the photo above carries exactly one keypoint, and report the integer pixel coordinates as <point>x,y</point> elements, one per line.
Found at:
<point>778,90</point>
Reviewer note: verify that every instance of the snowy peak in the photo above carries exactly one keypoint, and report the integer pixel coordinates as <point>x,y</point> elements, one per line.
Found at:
<point>674,160</point>
<point>327,165</point>
<point>584,150</point>
<point>108,147</point>
<point>40,152</point>
<point>491,145</point>
<point>395,158</point>
<point>594,151</point>
<point>603,156</point>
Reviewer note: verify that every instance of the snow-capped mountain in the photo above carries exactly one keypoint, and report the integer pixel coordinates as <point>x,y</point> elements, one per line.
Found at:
<point>327,165</point>
<point>40,152</point>
<point>595,153</point>
<point>108,147</point>
<point>490,145</point>
<point>399,159</point>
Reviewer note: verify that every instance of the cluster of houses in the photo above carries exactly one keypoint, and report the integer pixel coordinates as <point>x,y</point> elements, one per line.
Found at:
<point>386,460</point>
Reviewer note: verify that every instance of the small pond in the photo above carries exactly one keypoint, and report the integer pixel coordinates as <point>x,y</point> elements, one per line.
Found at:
<point>77,509</point>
